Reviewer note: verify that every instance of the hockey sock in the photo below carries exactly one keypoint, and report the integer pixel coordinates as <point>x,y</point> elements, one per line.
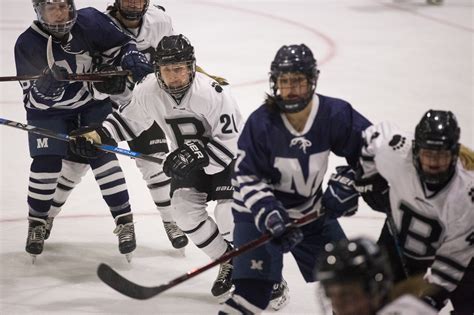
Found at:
<point>109,176</point>
<point>44,173</point>
<point>71,175</point>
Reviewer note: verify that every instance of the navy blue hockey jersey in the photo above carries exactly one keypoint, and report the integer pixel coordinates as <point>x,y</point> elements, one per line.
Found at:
<point>93,34</point>
<point>278,164</point>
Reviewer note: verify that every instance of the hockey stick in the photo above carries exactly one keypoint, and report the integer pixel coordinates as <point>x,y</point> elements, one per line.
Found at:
<point>92,77</point>
<point>392,228</point>
<point>65,137</point>
<point>136,291</point>
<point>98,76</point>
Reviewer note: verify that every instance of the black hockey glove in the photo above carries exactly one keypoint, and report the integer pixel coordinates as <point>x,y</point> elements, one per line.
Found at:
<point>341,198</point>
<point>83,140</point>
<point>374,190</point>
<point>48,85</point>
<point>111,85</point>
<point>137,63</point>
<point>188,157</point>
<point>274,221</point>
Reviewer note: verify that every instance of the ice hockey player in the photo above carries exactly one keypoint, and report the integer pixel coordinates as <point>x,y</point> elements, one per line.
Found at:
<point>59,105</point>
<point>356,277</point>
<point>202,121</point>
<point>283,155</point>
<point>147,24</point>
<point>431,202</point>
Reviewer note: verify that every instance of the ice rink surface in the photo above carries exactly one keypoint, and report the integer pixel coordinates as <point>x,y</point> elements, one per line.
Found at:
<point>392,60</point>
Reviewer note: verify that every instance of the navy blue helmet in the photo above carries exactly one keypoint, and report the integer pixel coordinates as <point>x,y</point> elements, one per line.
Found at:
<point>437,130</point>
<point>61,28</point>
<point>294,59</point>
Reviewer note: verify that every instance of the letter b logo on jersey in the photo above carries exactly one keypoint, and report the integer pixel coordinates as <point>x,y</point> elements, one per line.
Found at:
<point>420,236</point>
<point>41,143</point>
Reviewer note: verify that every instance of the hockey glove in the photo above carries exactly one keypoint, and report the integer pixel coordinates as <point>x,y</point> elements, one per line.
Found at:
<point>137,63</point>
<point>111,85</point>
<point>341,198</point>
<point>48,85</point>
<point>374,190</point>
<point>187,158</point>
<point>274,222</point>
<point>83,140</point>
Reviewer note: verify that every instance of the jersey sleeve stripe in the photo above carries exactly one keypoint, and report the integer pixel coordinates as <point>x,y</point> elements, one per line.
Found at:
<point>453,264</point>
<point>444,276</point>
<point>124,125</point>
<point>116,128</point>
<point>222,148</point>
<point>213,156</point>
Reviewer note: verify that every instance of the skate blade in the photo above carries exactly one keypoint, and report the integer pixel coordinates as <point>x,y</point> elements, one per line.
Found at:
<point>226,295</point>
<point>33,258</point>
<point>129,257</point>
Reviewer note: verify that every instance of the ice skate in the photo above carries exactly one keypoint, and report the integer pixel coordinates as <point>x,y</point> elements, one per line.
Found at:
<point>223,284</point>
<point>35,239</point>
<point>125,232</point>
<point>280,295</point>
<point>48,227</point>
<point>435,2</point>
<point>177,238</point>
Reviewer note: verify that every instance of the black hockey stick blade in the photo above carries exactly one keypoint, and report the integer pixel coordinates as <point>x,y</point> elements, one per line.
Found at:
<point>66,138</point>
<point>125,286</point>
<point>136,291</point>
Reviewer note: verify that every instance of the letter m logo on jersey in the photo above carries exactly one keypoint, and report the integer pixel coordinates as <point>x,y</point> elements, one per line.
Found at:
<point>41,143</point>
<point>293,179</point>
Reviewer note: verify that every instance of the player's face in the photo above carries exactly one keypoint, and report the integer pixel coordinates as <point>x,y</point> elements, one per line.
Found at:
<point>176,75</point>
<point>349,299</point>
<point>56,12</point>
<point>132,5</point>
<point>292,86</point>
<point>435,161</point>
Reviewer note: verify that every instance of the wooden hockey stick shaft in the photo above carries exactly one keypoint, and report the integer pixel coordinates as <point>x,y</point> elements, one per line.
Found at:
<point>136,291</point>
<point>66,138</point>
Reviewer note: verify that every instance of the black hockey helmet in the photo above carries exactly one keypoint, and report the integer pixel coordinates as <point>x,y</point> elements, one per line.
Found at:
<point>361,261</point>
<point>293,58</point>
<point>42,9</point>
<point>171,50</point>
<point>437,130</point>
<point>132,15</point>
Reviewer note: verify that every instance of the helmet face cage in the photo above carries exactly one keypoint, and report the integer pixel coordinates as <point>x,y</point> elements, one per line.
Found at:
<point>293,59</point>
<point>175,49</point>
<point>42,8</point>
<point>132,15</point>
<point>357,261</point>
<point>437,130</point>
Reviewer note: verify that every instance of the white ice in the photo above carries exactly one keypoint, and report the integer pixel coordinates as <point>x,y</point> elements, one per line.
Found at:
<point>392,60</point>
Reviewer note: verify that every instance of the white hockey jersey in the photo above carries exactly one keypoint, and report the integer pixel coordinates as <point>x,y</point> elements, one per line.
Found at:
<point>155,25</point>
<point>437,227</point>
<point>207,113</point>
<point>407,305</point>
